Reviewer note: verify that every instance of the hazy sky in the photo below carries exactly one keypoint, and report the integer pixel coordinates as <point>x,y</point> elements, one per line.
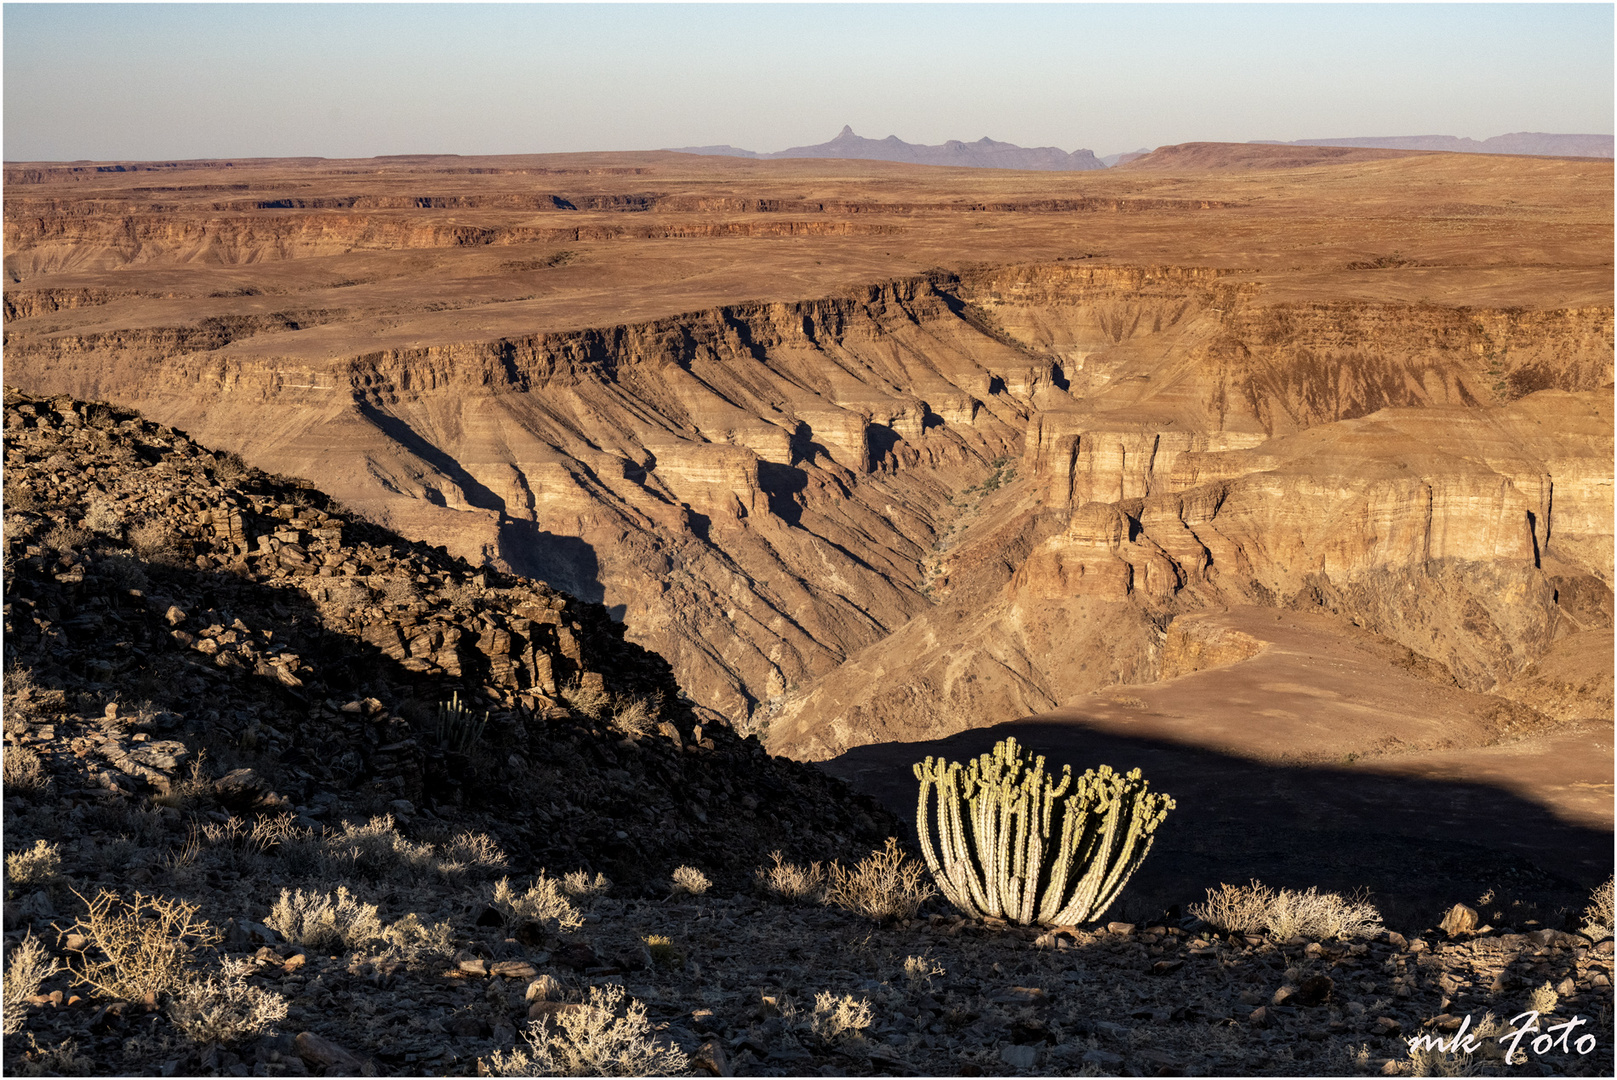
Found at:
<point>140,81</point>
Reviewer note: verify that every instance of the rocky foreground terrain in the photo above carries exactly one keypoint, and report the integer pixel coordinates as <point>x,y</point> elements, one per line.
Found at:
<point>222,688</point>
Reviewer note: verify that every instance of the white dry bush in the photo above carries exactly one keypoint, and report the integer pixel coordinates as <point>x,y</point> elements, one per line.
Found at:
<point>839,1019</point>
<point>375,851</point>
<point>29,966</point>
<point>635,716</point>
<point>543,902</point>
<point>1597,916</point>
<point>886,884</point>
<point>789,881</point>
<point>919,971</point>
<point>38,865</point>
<point>1256,908</point>
<point>59,1060</point>
<point>140,946</point>
<point>152,540</point>
<point>1427,1059</point>
<point>103,517</point>
<point>1238,909</point>
<point>688,879</point>
<point>476,852</point>
<point>1320,915</point>
<point>321,921</point>
<point>580,886</point>
<point>590,700</point>
<point>227,1009</point>
<point>1543,999</point>
<point>593,1040</point>
<point>24,770</point>
<point>417,944</point>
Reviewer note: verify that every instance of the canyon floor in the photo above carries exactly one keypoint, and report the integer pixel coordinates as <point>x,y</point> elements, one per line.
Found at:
<point>1282,473</point>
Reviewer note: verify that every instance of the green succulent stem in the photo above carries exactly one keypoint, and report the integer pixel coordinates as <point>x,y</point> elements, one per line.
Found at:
<point>985,831</point>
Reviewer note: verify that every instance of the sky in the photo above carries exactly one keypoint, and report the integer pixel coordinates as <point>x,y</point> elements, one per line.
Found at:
<point>157,81</point>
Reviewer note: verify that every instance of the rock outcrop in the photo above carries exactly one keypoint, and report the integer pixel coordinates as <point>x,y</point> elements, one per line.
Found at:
<point>247,626</point>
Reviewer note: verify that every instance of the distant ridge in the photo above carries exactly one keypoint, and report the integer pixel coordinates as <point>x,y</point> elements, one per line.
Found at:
<point>985,153</point>
<point>1536,143</point>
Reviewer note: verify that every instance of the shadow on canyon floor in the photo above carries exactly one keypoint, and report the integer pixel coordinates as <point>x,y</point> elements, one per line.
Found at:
<point>1418,846</point>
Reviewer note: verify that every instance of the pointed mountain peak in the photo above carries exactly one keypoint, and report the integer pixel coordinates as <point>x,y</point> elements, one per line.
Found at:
<point>846,132</point>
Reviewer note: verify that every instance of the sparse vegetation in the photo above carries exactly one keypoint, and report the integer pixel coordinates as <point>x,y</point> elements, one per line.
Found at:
<point>141,946</point>
<point>27,966</point>
<point>38,865</point>
<point>226,1009</point>
<point>1256,908</point>
<point>580,886</point>
<point>544,902</point>
<point>593,1039</point>
<point>1597,916</point>
<point>789,881</point>
<point>840,1018</point>
<point>323,921</point>
<point>691,881</point>
<point>885,885</point>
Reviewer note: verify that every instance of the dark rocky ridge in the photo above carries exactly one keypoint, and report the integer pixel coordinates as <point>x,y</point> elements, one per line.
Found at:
<point>248,622</point>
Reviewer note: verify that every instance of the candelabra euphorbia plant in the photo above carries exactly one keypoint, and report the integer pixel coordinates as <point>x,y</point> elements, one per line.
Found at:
<point>995,853</point>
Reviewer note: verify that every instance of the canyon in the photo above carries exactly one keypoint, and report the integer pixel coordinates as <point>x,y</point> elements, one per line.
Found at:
<point>875,453</point>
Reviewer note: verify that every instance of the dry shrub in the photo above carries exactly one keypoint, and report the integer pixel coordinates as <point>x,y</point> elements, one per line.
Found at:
<point>1597,916</point>
<point>373,852</point>
<point>416,943</point>
<point>589,699</point>
<point>152,539</point>
<point>1322,915</point>
<point>103,517</point>
<point>29,966</point>
<point>24,770</point>
<point>322,921</point>
<point>1255,908</point>
<point>580,886</point>
<point>1543,999</point>
<point>227,1009</point>
<point>474,851</point>
<point>543,902</point>
<point>1238,909</point>
<point>593,1040</point>
<point>919,971</point>
<point>121,572</point>
<point>59,1060</point>
<point>885,885</point>
<point>791,882</point>
<point>65,538</point>
<point>664,953</point>
<point>196,789</point>
<point>635,716</point>
<point>38,865</point>
<point>146,944</point>
<point>1428,1058</point>
<point>688,879</point>
<point>839,1019</point>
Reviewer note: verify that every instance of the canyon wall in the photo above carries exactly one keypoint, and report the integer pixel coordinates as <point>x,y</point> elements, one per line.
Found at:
<point>763,491</point>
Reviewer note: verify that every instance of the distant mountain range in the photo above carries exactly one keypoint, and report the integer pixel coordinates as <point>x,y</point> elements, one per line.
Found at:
<point>1535,143</point>
<point>987,153</point>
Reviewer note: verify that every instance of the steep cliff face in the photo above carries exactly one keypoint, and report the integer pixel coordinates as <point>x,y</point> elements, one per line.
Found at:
<point>1475,538</point>
<point>764,490</point>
